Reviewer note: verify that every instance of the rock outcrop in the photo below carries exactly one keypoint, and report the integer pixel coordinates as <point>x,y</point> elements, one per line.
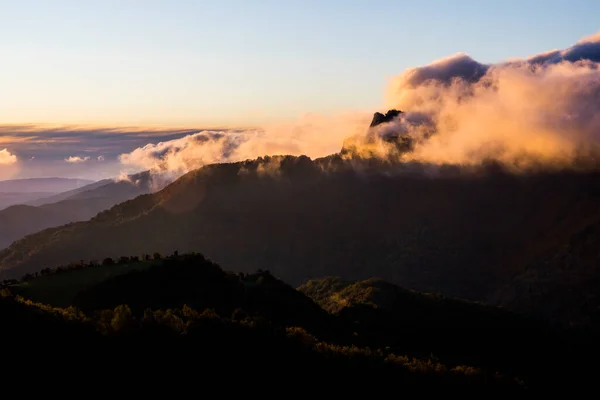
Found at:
<point>375,142</point>
<point>379,118</point>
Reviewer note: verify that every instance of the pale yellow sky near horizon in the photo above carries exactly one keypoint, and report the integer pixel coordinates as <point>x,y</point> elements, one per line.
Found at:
<point>235,63</point>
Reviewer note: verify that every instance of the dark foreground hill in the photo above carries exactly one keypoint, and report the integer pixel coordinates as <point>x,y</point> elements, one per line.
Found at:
<point>467,234</point>
<point>183,316</point>
<point>75,205</point>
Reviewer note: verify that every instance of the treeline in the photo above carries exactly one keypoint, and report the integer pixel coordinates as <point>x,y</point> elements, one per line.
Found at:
<point>168,340</point>
<point>74,266</point>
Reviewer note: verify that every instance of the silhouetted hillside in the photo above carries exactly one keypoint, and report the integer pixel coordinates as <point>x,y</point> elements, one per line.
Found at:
<point>76,205</point>
<point>430,324</point>
<point>240,325</point>
<point>561,282</point>
<point>192,280</point>
<point>462,233</point>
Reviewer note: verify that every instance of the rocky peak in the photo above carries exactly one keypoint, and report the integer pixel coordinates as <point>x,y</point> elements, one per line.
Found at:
<point>362,145</point>
<point>379,118</point>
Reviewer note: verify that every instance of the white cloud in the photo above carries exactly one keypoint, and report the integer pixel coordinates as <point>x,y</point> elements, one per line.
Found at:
<point>312,135</point>
<point>76,159</point>
<point>7,158</point>
<point>543,109</point>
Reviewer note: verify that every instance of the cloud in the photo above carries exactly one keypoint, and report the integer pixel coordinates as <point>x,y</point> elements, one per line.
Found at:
<point>47,146</point>
<point>543,109</point>
<point>445,71</point>
<point>59,142</point>
<point>313,135</point>
<point>522,112</point>
<point>7,158</point>
<point>76,159</point>
<point>540,109</point>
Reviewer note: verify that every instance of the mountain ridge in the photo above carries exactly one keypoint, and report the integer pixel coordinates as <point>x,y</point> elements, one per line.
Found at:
<point>324,217</point>
<point>75,205</point>
<point>53,184</point>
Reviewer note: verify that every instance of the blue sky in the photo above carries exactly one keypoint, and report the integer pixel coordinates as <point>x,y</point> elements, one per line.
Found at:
<point>245,62</point>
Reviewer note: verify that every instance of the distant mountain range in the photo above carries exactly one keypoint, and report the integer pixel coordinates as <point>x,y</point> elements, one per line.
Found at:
<point>74,205</point>
<point>21,191</point>
<point>47,185</point>
<point>55,198</point>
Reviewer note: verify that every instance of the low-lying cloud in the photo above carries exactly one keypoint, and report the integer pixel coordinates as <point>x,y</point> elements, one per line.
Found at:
<point>41,150</point>
<point>313,135</point>
<point>7,158</point>
<point>540,110</point>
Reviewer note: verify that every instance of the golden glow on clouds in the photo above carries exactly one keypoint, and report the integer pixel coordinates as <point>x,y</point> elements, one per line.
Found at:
<point>6,158</point>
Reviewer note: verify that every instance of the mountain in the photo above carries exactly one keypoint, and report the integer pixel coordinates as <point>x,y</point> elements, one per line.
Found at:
<point>560,282</point>
<point>481,233</point>
<point>423,323</point>
<point>192,297</point>
<point>465,234</point>
<point>185,306</point>
<point>48,185</point>
<point>55,198</point>
<point>21,191</point>
<point>10,199</point>
<point>75,205</point>
<point>381,131</point>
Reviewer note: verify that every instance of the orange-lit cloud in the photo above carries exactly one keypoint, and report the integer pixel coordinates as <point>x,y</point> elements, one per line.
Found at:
<point>543,109</point>
<point>7,158</point>
<point>313,135</point>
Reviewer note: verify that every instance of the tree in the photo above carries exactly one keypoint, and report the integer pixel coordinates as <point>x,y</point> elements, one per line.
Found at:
<point>122,317</point>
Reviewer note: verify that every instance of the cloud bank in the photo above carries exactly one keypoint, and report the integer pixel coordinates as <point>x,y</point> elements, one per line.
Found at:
<point>540,110</point>
<point>42,149</point>
<point>312,135</point>
<point>7,158</point>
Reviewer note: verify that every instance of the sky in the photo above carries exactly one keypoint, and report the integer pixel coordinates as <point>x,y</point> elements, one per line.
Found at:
<point>181,64</point>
